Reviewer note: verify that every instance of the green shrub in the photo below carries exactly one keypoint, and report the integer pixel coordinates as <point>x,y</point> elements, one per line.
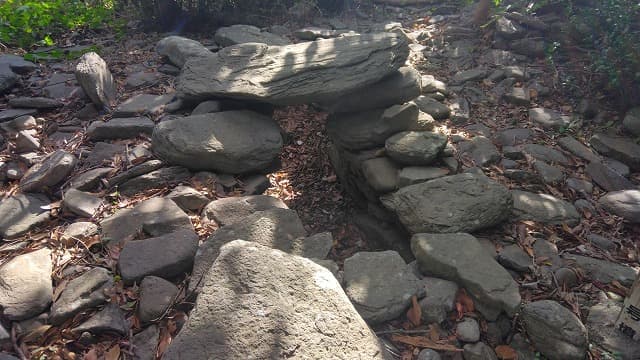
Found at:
<point>25,22</point>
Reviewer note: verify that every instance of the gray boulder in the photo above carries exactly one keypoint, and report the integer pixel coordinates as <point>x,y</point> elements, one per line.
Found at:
<point>120,128</point>
<point>156,295</point>
<point>543,208</point>
<point>179,49</point>
<point>631,121</point>
<point>555,331</point>
<point>625,203</point>
<point>607,178</point>
<point>381,174</point>
<point>293,74</point>
<point>461,258</point>
<point>602,270</point>
<point>288,305</point>
<point>415,147</point>
<point>620,148</point>
<point>96,80</point>
<point>578,149</point>
<point>439,299</point>
<point>166,176</point>
<point>232,142</point>
<point>230,210</point>
<point>479,351</point>
<point>433,107</point>
<point>379,284</point>
<point>81,203</point>
<point>548,119</point>
<point>25,289</point>
<point>82,293</point>
<point>240,34</point>
<point>481,150</point>
<point>545,153</point>
<point>463,202</point>
<point>108,320</point>
<point>22,212</point>
<point>51,171</point>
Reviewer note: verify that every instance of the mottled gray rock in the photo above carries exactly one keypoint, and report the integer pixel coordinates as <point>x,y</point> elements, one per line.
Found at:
<point>188,198</point>
<point>81,203</point>
<point>433,107</point>
<point>316,246</point>
<point>461,258</point>
<point>17,63</point>
<point>543,208</point>
<point>602,331</point>
<point>135,171</point>
<point>82,293</point>
<point>548,118</point>
<point>550,174</point>
<point>479,351</point>
<point>8,78</point>
<point>416,174</point>
<point>464,76</point>
<point>625,203</point>
<point>179,49</point>
<point>428,354</point>
<point>517,96</point>
<point>165,256</point>
<point>206,107</point>
<point>607,178</point>
<point>481,150</point>
<point>287,75</point>
<point>24,122</point>
<point>278,228</point>
<point>602,270</point>
<point>155,216</point>
<point>10,114</point>
<point>49,172</point>
<point>555,331</point>
<point>601,242</point>
<point>381,174</point>
<point>22,212</point>
<point>512,137</point>
<point>415,147</point>
<point>431,85</point>
<point>240,34</point>
<point>617,166</point>
<point>463,202</point>
<point>460,110</point>
<point>35,103</point>
<point>78,231</point>
<point>145,343</point>
<point>311,33</point>
<point>545,153</point>
<point>25,289</point>
<point>379,284</point>
<point>439,300</point>
<point>531,47</point>
<point>166,176</point>
<point>283,292</point>
<point>619,148</point>
<point>468,330</point>
<point>96,80</point>
<point>143,104</point>
<point>514,258</point>
<point>255,184</point>
<point>108,320</point>
<point>156,295</point>
<point>232,142</point>
<point>25,142</point>
<point>230,210</point>
<point>120,128</point>
<point>631,121</point>
<point>90,179</point>
<point>104,153</point>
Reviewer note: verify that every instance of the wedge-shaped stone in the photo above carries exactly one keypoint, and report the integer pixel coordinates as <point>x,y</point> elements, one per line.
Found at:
<point>81,293</point>
<point>624,203</point>
<point>51,171</point>
<point>619,148</point>
<point>120,128</point>
<point>262,303</point>
<point>293,74</point>
<point>463,202</point>
<point>96,80</point>
<point>461,258</point>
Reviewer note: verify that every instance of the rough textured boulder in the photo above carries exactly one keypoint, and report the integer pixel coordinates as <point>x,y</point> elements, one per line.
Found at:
<point>96,80</point>
<point>293,74</point>
<point>625,203</point>
<point>178,49</point>
<point>261,303</point>
<point>239,34</point>
<point>25,285</point>
<point>415,147</point>
<point>619,148</point>
<point>457,203</point>
<point>232,142</point>
<point>555,331</point>
<point>461,258</point>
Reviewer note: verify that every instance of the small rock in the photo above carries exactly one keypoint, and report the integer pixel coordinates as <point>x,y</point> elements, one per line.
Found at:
<point>96,80</point>
<point>438,110</point>
<point>120,128</point>
<point>460,110</point>
<point>513,152</point>
<point>607,178</point>
<point>544,208</point>
<point>545,153</point>
<point>25,142</point>
<point>78,231</point>
<point>468,330</point>
<point>188,198</point>
<point>601,242</point>
<point>431,85</point>
<point>439,300</point>
<point>617,166</point>
<point>512,137</point>
<point>508,29</point>
<point>103,153</point>
<point>25,289</point>
<point>255,184</point>
<point>230,210</point>
<point>17,63</point>
<point>550,174</point>
<point>625,203</point>
<point>428,354</point>
<point>26,122</point>
<point>109,319</point>
<point>82,293</point>
<point>631,121</point>
<point>479,351</point>
<point>209,106</point>
<point>481,150</point>
<point>89,180</point>
<point>8,78</point>
<point>35,103</point>
<point>140,79</point>
<point>316,246</point>
<point>416,174</point>
<point>518,96</point>
<point>602,270</point>
<point>156,295</point>
<point>548,118</point>
<point>145,343</point>
<point>602,331</point>
<point>10,114</point>
<point>81,203</point>
<point>462,77</point>
<point>566,277</point>
<point>620,148</point>
<point>514,258</point>
<point>135,171</point>
<point>381,174</point>
<point>49,172</point>
<point>179,49</point>
<point>143,104</point>
<point>580,186</point>
<point>415,147</point>
<point>166,176</point>
<point>169,70</point>
<point>22,212</point>
<point>515,72</point>
<point>578,149</point>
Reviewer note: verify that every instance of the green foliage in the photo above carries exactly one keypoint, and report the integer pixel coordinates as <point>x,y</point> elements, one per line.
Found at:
<point>26,22</point>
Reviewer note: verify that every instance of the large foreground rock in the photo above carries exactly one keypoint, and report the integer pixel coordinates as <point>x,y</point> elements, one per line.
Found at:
<point>25,285</point>
<point>261,303</point>
<point>293,74</point>
<point>625,203</point>
<point>555,331</point>
<point>96,80</point>
<point>457,203</point>
<point>232,142</point>
<point>461,258</point>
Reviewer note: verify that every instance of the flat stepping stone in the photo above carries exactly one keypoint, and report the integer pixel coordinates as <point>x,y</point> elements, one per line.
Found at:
<point>381,174</point>
<point>433,107</point>
<point>380,285</point>
<point>135,171</point>
<point>619,148</point>
<point>142,78</point>
<point>580,186</point>
<point>417,174</point>
<point>17,63</point>
<point>415,147</point>
<point>209,106</point>
<point>120,128</point>
<point>89,180</point>
<point>79,230</point>
<point>326,322</point>
<point>81,203</point>
<point>25,289</point>
<point>543,208</point>
<point>439,300</point>
<point>143,104</point>
<point>508,29</point>
<point>464,76</point>
<point>8,78</point>
<point>230,210</point>
<point>625,203</point>
<point>82,293</point>
<point>145,343</point>
<point>511,137</point>
<point>240,34</point>
<point>550,174</point>
<point>602,270</point>
<point>179,49</point>
<point>104,153</point>
<point>514,258</point>
<point>108,320</point>
<point>548,119</point>
<point>188,198</point>
<point>461,258</point>
<point>607,178</point>
<point>156,295</point>
<point>457,203</point>
<point>10,114</point>
<point>165,256</point>
<point>481,150</point>
<point>460,110</point>
<point>35,103</point>
<point>49,172</point>
<point>578,149</point>
<point>545,153</point>
<point>21,213</point>
<point>166,176</point>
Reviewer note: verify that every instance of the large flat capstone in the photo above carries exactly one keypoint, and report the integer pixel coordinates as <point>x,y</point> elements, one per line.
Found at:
<point>293,74</point>
<point>262,303</point>
<point>457,203</point>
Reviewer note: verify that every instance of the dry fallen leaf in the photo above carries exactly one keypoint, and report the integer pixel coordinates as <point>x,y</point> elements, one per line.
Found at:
<point>506,352</point>
<point>415,312</point>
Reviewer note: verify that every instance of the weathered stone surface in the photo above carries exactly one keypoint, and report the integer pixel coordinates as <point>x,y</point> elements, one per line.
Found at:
<point>35,103</point>
<point>416,174</point>
<point>415,147</point>
<point>481,150</point>
<point>17,63</point>
<point>433,107</point>
<point>81,203</point>
<point>25,289</point>
<point>232,142</point>
<point>135,171</point>
<point>230,210</point>
<point>428,354</point>
<point>460,257</point>
<point>104,153</point>
<point>82,293</point>
<point>11,114</point>
<point>602,331</point>
<point>578,149</point>
<point>468,330</point>
<point>517,96</point>
<point>508,29</point>
<point>513,257</point>
<point>460,110</point>
<point>607,178</point>
<point>120,128</point>
<point>90,179</point>
<point>381,174</point>
<point>21,213</point>
<point>178,49</point>
<point>511,137</point>
<point>625,203</point>
<point>619,148</point>
<point>141,78</point>
<point>206,107</point>
<point>464,76</point>
<point>463,202</point>
<point>631,121</point>
<point>278,228</point>
<point>293,74</point>
<point>580,186</point>
<point>602,270</point>
<point>78,231</point>
<point>108,320</point>
<point>143,104</point>
<point>240,34</point>
<point>439,299</point>
<point>479,351</point>
<point>156,295</point>
<point>545,153</point>
<point>145,343</point>
<point>316,246</point>
<point>397,88</point>
<point>543,208</point>
<point>369,129</point>
<point>379,284</point>
<point>166,176</point>
<point>49,172</point>
<point>96,80</point>
<point>555,331</point>
<point>287,303</point>
<point>188,198</point>
<point>155,216</point>
<point>550,174</point>
<point>548,118</point>
<point>165,256</point>
<point>7,78</point>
